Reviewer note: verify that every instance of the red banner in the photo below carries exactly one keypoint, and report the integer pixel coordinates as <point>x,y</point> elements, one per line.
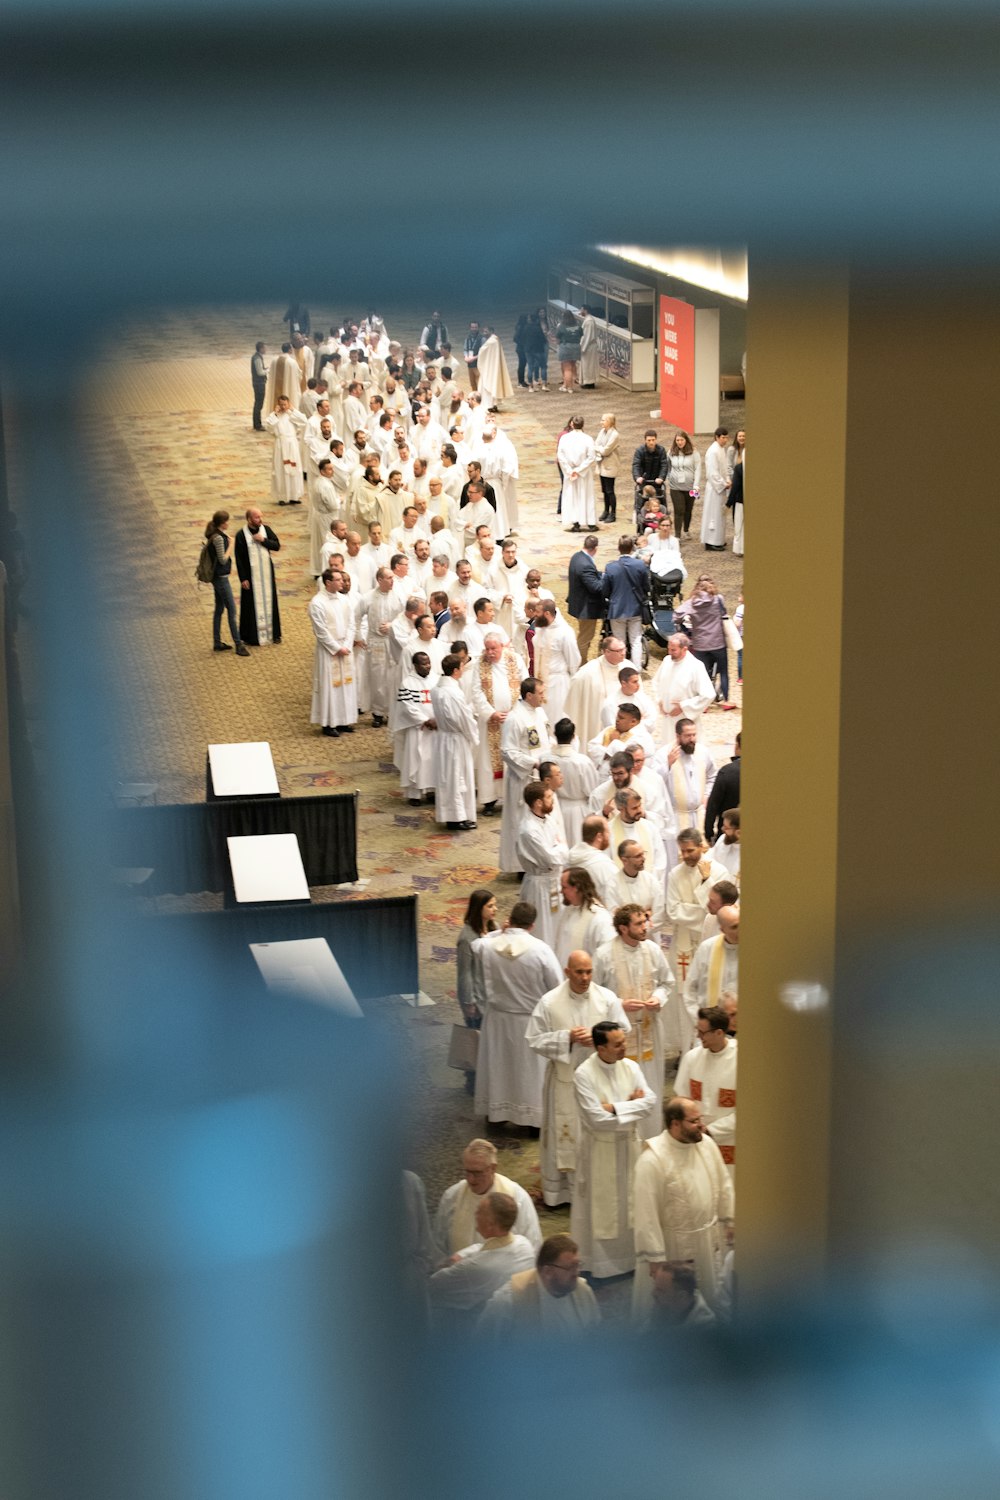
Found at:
<point>677,363</point>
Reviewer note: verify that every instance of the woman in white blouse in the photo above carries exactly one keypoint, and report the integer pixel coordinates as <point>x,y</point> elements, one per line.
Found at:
<point>684,480</point>
<point>606,447</point>
<point>662,551</point>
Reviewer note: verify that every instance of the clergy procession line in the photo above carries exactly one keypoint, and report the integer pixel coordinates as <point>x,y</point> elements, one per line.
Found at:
<point>618,962</point>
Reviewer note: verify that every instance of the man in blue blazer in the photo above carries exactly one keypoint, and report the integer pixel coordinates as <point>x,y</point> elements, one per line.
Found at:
<point>585,601</point>
<point>626,587</point>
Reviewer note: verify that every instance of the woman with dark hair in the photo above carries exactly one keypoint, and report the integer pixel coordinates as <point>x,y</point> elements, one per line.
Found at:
<point>734,499</point>
<point>480,918</point>
<point>536,350</point>
<point>222,544</point>
<point>409,374</point>
<point>685,480</point>
<point>568,335</point>
<point>701,619</point>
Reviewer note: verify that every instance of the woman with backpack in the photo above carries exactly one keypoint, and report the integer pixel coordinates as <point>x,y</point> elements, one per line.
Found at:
<point>218,540</point>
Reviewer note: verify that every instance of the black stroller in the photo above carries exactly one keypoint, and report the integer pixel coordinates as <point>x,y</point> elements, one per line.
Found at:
<point>664,590</point>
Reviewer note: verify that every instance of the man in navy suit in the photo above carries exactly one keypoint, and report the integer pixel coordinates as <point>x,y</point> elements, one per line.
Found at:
<point>626,586</point>
<point>586,594</point>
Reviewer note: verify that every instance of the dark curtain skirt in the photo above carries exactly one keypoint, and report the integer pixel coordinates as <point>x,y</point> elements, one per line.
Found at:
<point>185,844</point>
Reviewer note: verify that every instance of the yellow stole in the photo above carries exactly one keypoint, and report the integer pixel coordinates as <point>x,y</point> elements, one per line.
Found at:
<point>679,782</point>
<point>638,1041</point>
<point>494,731</point>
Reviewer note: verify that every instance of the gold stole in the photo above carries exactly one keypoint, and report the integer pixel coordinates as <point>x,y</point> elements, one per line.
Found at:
<point>680,785</point>
<point>495,730</point>
<point>638,1041</point>
<point>715,964</point>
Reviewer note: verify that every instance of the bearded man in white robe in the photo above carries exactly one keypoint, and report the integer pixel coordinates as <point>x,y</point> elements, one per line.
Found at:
<point>511,969</point>
<point>636,886</point>
<point>325,506</point>
<point>635,968</point>
<point>688,773</point>
<point>560,1029</point>
<point>557,657</point>
<point>455,743</point>
<point>542,855</point>
<point>614,1102</point>
<point>524,744</point>
<point>334,697</point>
<point>285,423</point>
<point>496,687</point>
<point>576,457</point>
<point>494,377</point>
<point>592,685</point>
<point>683,1205</point>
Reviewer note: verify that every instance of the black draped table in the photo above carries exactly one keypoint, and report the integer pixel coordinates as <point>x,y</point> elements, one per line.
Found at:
<point>185,843</point>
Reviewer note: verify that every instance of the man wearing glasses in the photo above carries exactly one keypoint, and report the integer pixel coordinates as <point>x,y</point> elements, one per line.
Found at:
<point>550,1299</point>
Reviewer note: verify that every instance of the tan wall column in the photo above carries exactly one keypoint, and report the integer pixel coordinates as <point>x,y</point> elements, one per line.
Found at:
<point>797,367</point>
<point>869,795</point>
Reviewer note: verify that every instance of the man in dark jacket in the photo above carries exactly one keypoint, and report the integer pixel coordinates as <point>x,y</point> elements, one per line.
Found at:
<point>585,600</point>
<point>626,587</point>
<point>650,465</point>
<point>724,794</point>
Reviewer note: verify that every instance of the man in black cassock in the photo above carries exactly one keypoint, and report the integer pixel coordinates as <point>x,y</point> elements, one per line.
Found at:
<point>260,620</point>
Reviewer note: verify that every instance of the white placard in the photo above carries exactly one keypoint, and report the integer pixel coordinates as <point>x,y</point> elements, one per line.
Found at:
<point>243,770</point>
<point>267,867</point>
<point>307,969</point>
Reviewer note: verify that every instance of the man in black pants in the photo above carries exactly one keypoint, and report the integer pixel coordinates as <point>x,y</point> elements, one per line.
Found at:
<point>650,465</point>
<point>258,379</point>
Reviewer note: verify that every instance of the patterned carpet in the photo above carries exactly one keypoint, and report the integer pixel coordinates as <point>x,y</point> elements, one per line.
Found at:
<point>169,441</point>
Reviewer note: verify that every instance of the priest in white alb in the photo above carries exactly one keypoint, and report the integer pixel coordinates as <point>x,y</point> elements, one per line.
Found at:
<point>715,969</point>
<point>524,744</point>
<point>541,855</point>
<point>683,1205</point>
<point>635,968</point>
<point>459,1291</point>
<point>557,657</point>
<point>334,695</point>
<point>582,922</point>
<point>511,968</point>
<point>681,687</point>
<point>416,728</point>
<point>455,743</point>
<point>579,779</point>
<point>614,1103</point>
<point>689,885</point>
<point>592,685</point>
<point>560,1029</point>
<point>285,423</point>
<point>576,457</point>
<point>455,1221</point>
<point>494,377</point>
<point>496,690</point>
<point>707,1074</point>
<point>688,773</point>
